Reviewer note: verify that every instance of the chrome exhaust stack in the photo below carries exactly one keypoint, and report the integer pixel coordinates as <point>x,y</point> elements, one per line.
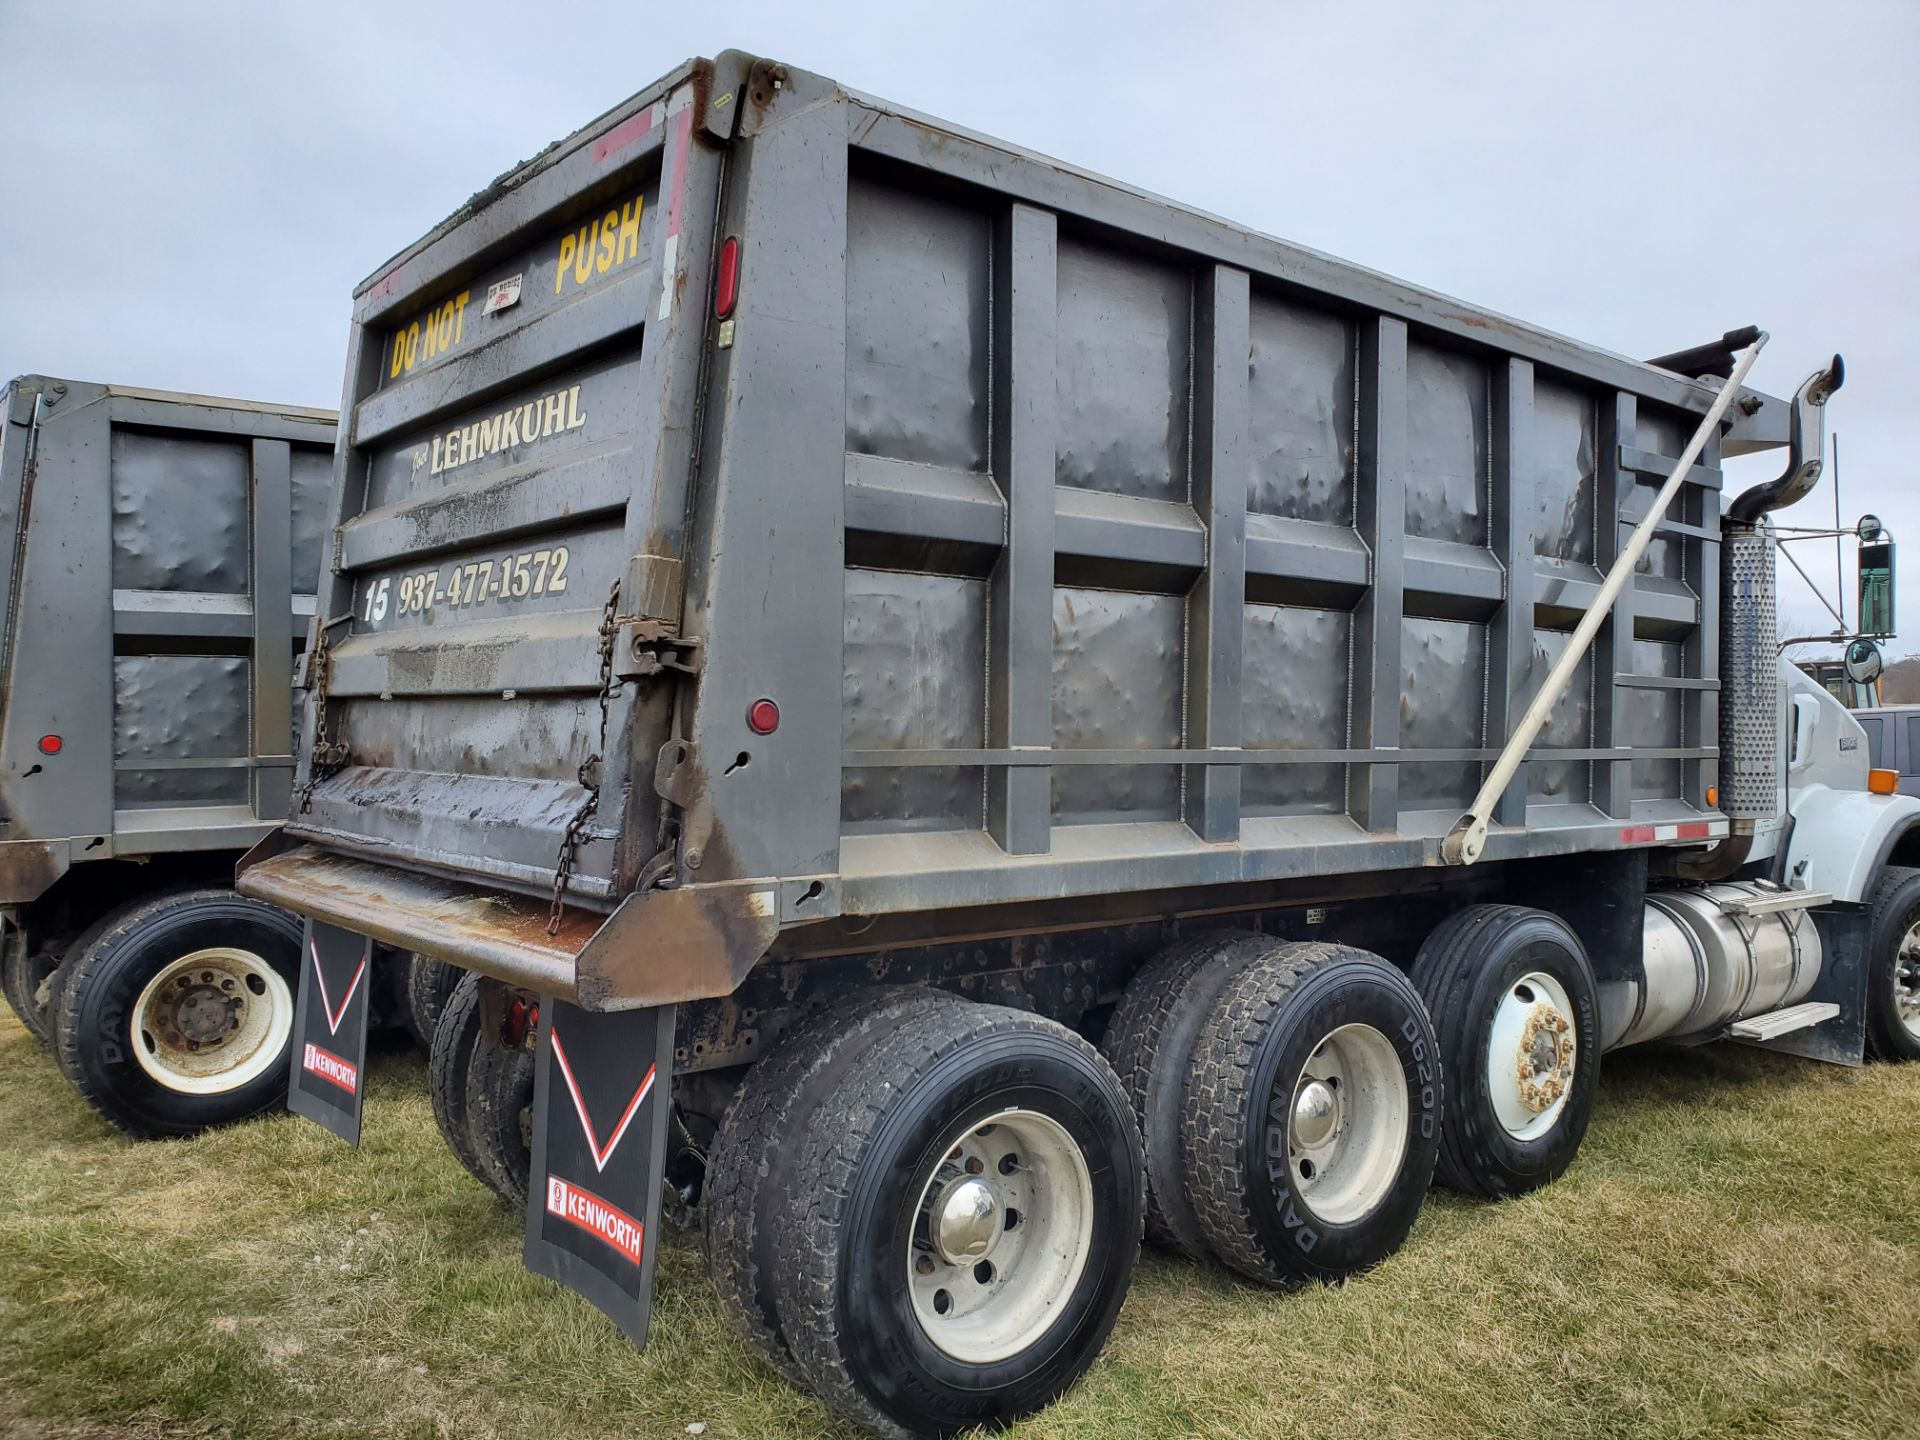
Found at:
<point>1750,651</point>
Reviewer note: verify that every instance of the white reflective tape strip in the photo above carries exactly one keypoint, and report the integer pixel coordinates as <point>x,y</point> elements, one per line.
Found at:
<point>763,902</point>
<point>669,268</point>
<point>679,100</point>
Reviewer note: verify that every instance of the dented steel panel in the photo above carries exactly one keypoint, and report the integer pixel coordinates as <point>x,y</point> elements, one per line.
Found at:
<point>1014,536</point>
<point>151,615</point>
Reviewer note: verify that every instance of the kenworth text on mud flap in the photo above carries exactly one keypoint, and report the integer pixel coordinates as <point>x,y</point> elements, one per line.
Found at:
<point>158,554</point>
<point>905,672</point>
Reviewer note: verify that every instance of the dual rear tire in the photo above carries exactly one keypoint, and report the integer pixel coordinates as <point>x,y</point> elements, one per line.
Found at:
<point>26,979</point>
<point>480,1082</point>
<point>927,1211</point>
<point>176,1015</point>
<point>1289,1099</point>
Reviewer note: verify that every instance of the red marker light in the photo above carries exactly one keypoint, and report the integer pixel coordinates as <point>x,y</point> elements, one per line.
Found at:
<point>726,289</point>
<point>763,717</point>
<point>51,744</point>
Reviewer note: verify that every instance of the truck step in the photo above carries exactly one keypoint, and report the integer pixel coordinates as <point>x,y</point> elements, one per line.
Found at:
<point>1775,903</point>
<point>1784,1022</point>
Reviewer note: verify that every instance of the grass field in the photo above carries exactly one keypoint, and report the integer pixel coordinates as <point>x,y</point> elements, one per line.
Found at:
<point>1737,1252</point>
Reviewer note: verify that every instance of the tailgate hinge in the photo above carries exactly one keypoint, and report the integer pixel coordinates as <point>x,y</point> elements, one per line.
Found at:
<point>645,648</point>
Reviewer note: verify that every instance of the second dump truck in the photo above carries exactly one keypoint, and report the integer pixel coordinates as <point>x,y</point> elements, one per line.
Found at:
<point>158,553</point>
<point>947,706</point>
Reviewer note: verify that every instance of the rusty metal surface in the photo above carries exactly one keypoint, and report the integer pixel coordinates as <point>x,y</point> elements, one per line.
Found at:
<point>665,946</point>
<point>501,935</point>
<point>28,868</point>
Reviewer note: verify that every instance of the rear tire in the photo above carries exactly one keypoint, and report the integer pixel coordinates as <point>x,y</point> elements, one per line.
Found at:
<point>1149,1042</point>
<point>424,988</point>
<point>49,971</point>
<point>1314,1110</point>
<point>449,1066</point>
<point>500,1115</point>
<point>748,1169</point>
<point>1017,1136</point>
<point>178,1016</point>
<point>1517,1013</point>
<point>26,978</point>
<point>1893,967</point>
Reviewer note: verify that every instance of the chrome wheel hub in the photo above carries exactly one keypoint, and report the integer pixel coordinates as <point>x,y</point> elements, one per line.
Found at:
<point>965,1221</point>
<point>1906,982</point>
<point>1001,1236</point>
<point>1531,1055</point>
<point>1316,1114</point>
<point>1347,1130</point>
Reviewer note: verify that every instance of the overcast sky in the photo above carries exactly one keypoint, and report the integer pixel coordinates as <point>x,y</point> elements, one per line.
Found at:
<point>190,191</point>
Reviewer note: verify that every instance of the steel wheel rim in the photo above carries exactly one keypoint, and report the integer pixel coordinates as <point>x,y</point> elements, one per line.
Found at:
<point>1347,1127</point>
<point>1001,1236</point>
<point>211,1021</point>
<point>1532,1054</point>
<point>1906,982</point>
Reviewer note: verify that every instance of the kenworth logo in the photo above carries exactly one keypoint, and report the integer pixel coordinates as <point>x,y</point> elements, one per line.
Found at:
<point>596,1217</point>
<point>329,1066</point>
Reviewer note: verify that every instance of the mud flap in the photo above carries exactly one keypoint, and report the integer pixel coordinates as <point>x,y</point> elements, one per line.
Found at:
<point>603,1087</point>
<point>330,1029</point>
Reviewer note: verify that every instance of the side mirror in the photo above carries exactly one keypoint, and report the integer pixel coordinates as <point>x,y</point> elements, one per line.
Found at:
<point>1876,587</point>
<point>1863,662</point>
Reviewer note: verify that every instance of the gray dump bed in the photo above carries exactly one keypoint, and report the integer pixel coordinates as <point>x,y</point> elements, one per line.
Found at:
<point>1087,545</point>
<point>157,563</point>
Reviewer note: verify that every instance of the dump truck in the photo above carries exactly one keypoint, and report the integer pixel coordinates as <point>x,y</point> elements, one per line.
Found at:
<point>955,713</point>
<point>158,554</point>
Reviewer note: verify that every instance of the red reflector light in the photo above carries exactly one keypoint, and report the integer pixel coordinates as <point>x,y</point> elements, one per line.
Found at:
<point>763,717</point>
<point>726,289</point>
<point>51,744</point>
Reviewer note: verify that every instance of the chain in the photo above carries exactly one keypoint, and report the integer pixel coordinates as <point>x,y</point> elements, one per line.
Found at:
<point>328,755</point>
<point>591,770</point>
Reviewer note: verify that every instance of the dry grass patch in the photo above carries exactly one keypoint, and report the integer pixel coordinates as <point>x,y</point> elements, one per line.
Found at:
<point>1734,1254</point>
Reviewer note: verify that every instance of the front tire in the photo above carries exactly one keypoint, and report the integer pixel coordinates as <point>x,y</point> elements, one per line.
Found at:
<point>179,1016</point>
<point>1517,1013</point>
<point>1893,967</point>
<point>962,1222</point>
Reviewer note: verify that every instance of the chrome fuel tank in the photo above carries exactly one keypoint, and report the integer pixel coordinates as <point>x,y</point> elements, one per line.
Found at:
<point>1713,955</point>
